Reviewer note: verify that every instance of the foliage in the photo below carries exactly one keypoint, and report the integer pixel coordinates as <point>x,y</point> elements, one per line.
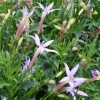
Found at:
<point>75,31</point>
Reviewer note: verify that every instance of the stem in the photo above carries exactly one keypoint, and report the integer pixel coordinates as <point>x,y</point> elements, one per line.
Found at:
<point>41,22</point>
<point>34,58</point>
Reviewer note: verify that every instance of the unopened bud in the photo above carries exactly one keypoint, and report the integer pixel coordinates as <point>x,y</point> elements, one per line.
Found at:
<point>58,27</point>
<point>20,41</point>
<point>80,56</point>
<point>82,4</point>
<point>64,54</point>
<point>84,63</point>
<point>68,8</point>
<point>51,81</point>
<point>5,18</point>
<point>64,23</point>
<point>28,2</point>
<point>74,48</point>
<point>54,21</point>
<point>60,73</point>
<point>80,12</point>
<point>71,21</point>
<point>61,96</point>
<point>77,47</point>
<point>1,1</point>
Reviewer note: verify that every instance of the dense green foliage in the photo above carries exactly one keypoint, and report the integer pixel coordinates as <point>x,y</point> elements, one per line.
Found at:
<point>75,31</point>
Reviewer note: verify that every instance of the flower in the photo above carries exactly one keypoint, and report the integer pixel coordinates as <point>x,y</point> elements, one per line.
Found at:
<point>4,98</point>
<point>24,23</point>
<point>41,47</point>
<point>94,73</point>
<point>74,91</point>
<point>26,64</point>
<point>25,12</point>
<point>88,4</point>
<point>70,76</point>
<point>46,10</point>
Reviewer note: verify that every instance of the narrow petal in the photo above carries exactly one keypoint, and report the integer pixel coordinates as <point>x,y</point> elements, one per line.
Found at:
<point>74,97</point>
<point>53,10</point>
<point>80,79</point>
<point>71,84</point>
<point>41,49</point>
<point>72,93</point>
<point>74,70</point>
<point>65,79</point>
<point>41,6</point>
<point>47,43</point>
<point>24,10</point>
<point>94,73</point>
<point>36,38</point>
<point>50,6</point>
<point>67,69</point>
<point>77,84</point>
<point>4,98</point>
<point>32,11</point>
<point>81,92</point>
<point>49,50</point>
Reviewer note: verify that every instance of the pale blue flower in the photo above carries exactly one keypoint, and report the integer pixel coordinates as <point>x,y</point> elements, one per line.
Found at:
<point>4,98</point>
<point>74,91</point>
<point>25,12</point>
<point>26,65</point>
<point>47,9</point>
<point>24,23</point>
<point>94,73</point>
<point>42,46</point>
<point>70,76</point>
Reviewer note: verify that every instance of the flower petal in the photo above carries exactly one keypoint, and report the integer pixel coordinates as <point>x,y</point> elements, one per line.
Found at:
<point>80,92</point>
<point>72,93</point>
<point>24,11</point>
<point>67,69</point>
<point>53,10</point>
<point>50,6</point>
<point>81,80</point>
<point>49,50</point>
<point>41,6</point>
<point>64,79</point>
<point>74,70</point>
<point>77,84</point>
<point>36,38</point>
<point>74,97</point>
<point>32,11</point>
<point>71,84</point>
<point>47,43</point>
<point>94,73</point>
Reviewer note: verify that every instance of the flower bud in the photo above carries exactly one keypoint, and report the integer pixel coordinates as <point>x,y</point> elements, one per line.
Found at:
<point>20,41</point>
<point>71,21</point>
<point>61,96</point>
<point>64,23</point>
<point>1,1</point>
<point>28,2</point>
<point>60,73</point>
<point>58,27</point>
<point>74,48</point>
<point>84,63</point>
<point>51,81</point>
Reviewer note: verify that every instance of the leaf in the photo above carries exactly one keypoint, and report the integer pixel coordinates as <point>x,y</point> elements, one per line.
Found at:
<point>3,83</point>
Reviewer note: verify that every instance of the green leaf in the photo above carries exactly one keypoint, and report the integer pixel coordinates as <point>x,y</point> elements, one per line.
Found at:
<point>3,83</point>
